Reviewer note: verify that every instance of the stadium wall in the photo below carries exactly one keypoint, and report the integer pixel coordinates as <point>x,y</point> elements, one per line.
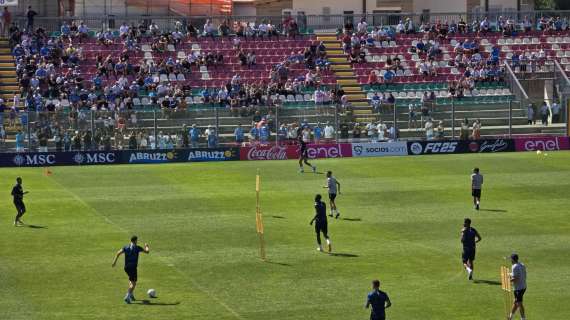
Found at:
<point>283,152</point>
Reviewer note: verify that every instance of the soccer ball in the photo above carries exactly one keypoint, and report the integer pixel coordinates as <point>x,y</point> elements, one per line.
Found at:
<point>538,152</point>
<point>151,293</point>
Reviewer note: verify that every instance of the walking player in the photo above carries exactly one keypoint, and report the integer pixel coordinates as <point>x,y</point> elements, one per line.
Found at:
<point>18,194</point>
<point>518,278</point>
<point>320,220</point>
<point>476,184</point>
<point>131,252</point>
<point>379,301</point>
<point>303,155</point>
<point>333,185</point>
<point>469,238</point>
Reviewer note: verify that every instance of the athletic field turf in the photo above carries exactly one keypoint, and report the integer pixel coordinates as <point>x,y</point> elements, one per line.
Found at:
<point>401,222</point>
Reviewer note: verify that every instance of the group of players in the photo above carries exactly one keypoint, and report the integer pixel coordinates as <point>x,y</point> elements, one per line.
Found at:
<point>376,299</point>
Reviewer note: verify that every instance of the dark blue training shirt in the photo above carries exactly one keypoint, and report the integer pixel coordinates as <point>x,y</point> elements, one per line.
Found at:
<point>377,300</point>
<point>132,255</point>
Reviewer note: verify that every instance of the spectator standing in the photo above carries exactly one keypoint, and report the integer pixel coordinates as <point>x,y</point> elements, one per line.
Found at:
<point>30,14</point>
<point>194,136</point>
<point>212,137</point>
<point>329,132</point>
<point>555,109</point>
<point>6,21</point>
<point>530,113</point>
<point>464,132</point>
<point>476,135</point>
<point>544,113</point>
<point>429,129</point>
<point>239,134</point>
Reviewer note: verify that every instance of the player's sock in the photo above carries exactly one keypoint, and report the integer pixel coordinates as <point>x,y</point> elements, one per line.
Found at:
<point>127,298</point>
<point>329,245</point>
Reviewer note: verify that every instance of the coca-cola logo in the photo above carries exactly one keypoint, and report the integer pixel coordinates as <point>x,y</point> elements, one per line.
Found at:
<point>265,153</point>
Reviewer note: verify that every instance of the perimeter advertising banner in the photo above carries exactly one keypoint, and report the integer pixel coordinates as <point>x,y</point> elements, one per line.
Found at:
<point>460,146</point>
<point>43,159</point>
<point>380,149</point>
<point>542,143</point>
<point>284,152</point>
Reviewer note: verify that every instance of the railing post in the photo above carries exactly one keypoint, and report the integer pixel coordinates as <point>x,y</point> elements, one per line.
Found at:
<point>277,125</point>
<point>28,120</point>
<point>395,120</point>
<point>336,126</point>
<point>452,119</point>
<point>92,124</point>
<point>155,126</point>
<point>217,124</point>
<point>510,118</point>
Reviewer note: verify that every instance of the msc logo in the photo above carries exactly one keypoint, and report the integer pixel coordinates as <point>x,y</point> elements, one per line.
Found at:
<point>91,158</point>
<point>34,159</point>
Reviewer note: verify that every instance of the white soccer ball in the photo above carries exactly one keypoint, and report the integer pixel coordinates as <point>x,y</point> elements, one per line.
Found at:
<point>151,293</point>
<point>538,152</point>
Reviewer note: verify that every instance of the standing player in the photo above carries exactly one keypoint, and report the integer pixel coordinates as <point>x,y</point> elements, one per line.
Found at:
<point>379,301</point>
<point>476,184</point>
<point>18,194</point>
<point>131,252</point>
<point>321,224</point>
<point>469,238</point>
<point>333,185</point>
<point>518,278</point>
<point>303,156</point>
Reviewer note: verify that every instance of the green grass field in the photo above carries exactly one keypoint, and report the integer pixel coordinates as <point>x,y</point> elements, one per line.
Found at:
<point>402,221</point>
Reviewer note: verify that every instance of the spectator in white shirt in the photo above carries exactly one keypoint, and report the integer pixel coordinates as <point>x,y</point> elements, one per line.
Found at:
<point>124,30</point>
<point>362,27</point>
<point>555,109</point>
<point>329,132</point>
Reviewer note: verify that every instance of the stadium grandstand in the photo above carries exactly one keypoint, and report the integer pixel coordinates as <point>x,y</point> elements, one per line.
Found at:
<point>117,79</point>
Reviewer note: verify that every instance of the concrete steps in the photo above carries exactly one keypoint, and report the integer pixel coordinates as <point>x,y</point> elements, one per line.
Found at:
<point>8,79</point>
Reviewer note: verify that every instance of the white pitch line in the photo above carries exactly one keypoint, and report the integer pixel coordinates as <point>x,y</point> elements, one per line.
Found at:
<point>109,221</point>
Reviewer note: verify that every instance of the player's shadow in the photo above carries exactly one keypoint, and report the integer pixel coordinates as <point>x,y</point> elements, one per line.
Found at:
<point>493,210</point>
<point>351,219</point>
<point>487,282</point>
<point>279,263</point>
<point>151,303</point>
<point>343,255</point>
<point>278,217</point>
<point>32,226</point>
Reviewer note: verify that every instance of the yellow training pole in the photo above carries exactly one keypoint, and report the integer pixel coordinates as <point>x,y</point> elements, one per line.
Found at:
<point>259,217</point>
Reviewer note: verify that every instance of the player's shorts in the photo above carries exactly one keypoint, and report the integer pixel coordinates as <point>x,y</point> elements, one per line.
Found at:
<point>476,193</point>
<point>374,316</point>
<point>20,206</point>
<point>322,227</point>
<point>519,295</point>
<point>332,196</point>
<point>304,154</point>
<point>468,254</point>
<point>132,273</point>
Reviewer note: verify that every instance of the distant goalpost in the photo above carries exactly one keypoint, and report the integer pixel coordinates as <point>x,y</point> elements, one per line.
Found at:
<point>259,217</point>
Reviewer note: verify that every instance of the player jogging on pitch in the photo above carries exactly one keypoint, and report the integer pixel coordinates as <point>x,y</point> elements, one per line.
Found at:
<point>379,301</point>
<point>518,278</point>
<point>469,238</point>
<point>303,156</point>
<point>131,252</point>
<point>320,220</point>
<point>18,194</point>
<point>333,185</point>
<point>476,185</point>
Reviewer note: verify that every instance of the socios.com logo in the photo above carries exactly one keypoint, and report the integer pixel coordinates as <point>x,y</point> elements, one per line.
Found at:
<point>358,150</point>
<point>416,148</point>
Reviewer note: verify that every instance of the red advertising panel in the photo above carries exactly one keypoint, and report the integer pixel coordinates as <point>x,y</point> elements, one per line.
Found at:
<point>283,152</point>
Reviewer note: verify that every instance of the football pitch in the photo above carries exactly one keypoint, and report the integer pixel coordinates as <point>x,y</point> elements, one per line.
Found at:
<point>400,222</point>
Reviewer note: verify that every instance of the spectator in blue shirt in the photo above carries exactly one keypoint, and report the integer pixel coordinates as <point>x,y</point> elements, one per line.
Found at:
<point>253,133</point>
<point>264,133</point>
<point>194,136</point>
<point>317,132</point>
<point>212,137</point>
<point>238,134</point>
<point>205,95</point>
<point>20,141</point>
<point>379,302</point>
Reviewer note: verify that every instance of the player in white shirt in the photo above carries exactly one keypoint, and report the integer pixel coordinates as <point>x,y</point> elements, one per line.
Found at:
<point>476,185</point>
<point>518,278</point>
<point>334,188</point>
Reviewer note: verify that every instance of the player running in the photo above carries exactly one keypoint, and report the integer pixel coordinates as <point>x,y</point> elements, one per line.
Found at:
<point>18,194</point>
<point>476,184</point>
<point>518,278</point>
<point>469,238</point>
<point>321,225</point>
<point>303,156</point>
<point>333,185</point>
<point>379,301</point>
<point>131,252</point>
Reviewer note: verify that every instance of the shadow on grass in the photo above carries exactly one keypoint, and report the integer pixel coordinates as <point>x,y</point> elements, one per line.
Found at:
<point>493,210</point>
<point>278,217</point>
<point>343,255</point>
<point>32,226</point>
<point>150,303</point>
<point>488,282</point>
<point>279,263</point>
<point>351,219</point>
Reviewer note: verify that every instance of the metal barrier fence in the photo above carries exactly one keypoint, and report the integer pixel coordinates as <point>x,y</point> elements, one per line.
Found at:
<point>105,130</point>
<point>166,19</point>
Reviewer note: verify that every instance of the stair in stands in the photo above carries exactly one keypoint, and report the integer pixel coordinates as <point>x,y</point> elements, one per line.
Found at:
<point>8,79</point>
<point>346,78</point>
